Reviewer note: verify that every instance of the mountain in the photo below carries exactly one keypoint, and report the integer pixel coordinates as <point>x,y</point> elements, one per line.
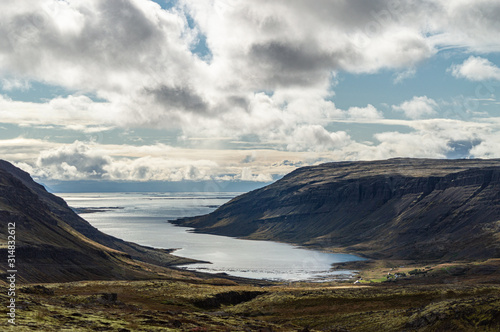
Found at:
<point>53,244</point>
<point>420,209</point>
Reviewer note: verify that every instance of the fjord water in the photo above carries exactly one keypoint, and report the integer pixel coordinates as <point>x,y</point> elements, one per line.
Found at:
<point>143,218</point>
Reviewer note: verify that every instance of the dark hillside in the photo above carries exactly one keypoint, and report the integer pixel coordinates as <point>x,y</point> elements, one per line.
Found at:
<point>393,209</point>
<point>54,244</point>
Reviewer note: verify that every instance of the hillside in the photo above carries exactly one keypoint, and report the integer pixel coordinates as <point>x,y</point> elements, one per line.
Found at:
<point>395,209</point>
<point>54,244</point>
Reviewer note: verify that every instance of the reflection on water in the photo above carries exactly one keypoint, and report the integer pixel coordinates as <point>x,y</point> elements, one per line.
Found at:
<point>143,218</point>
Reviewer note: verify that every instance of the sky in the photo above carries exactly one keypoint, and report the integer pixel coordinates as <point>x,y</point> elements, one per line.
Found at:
<point>243,91</point>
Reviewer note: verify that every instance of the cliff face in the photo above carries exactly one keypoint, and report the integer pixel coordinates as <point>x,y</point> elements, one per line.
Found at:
<point>394,209</point>
<point>53,244</point>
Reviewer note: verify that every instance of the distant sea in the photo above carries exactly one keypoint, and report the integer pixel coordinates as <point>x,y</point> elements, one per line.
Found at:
<point>143,218</point>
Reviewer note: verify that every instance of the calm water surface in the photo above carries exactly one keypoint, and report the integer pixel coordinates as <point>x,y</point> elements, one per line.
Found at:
<point>143,218</point>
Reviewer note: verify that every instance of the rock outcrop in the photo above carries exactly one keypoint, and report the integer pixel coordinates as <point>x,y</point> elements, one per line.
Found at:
<point>395,209</point>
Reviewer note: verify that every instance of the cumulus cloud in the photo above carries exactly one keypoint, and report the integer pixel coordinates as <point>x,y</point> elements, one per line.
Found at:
<point>316,138</point>
<point>476,69</point>
<point>247,175</point>
<point>89,161</point>
<point>95,161</point>
<point>487,148</point>
<point>76,161</point>
<point>368,112</point>
<point>418,107</point>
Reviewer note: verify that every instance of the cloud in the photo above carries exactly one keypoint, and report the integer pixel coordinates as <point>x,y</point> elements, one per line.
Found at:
<point>268,80</point>
<point>401,76</point>
<point>307,145</point>
<point>15,84</point>
<point>139,59</point>
<point>416,145</point>
<point>418,107</point>
<point>466,24</point>
<point>95,161</point>
<point>316,138</point>
<point>89,161</point>
<point>76,161</point>
<point>23,149</point>
<point>76,112</point>
<point>246,175</point>
<point>249,158</point>
<point>476,69</point>
<point>183,98</point>
<point>368,112</point>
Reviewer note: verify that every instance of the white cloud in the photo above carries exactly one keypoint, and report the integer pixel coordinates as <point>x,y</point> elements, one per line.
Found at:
<point>488,148</point>
<point>401,76</point>
<point>15,84</point>
<point>159,162</point>
<point>416,145</point>
<point>73,112</point>
<point>137,56</point>
<point>316,138</point>
<point>76,161</point>
<point>23,149</point>
<point>476,69</point>
<point>471,24</point>
<point>368,112</point>
<point>418,107</point>
<point>246,175</point>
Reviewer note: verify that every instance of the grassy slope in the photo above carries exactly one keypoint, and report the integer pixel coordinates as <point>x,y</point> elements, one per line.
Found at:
<point>441,302</point>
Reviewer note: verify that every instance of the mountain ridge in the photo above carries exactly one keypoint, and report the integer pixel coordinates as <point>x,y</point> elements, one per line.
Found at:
<point>427,209</point>
<point>54,244</point>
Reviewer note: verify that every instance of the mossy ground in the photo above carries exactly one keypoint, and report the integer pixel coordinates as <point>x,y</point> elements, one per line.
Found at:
<point>420,303</point>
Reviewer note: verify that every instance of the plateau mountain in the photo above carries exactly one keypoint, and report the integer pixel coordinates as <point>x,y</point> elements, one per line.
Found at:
<point>411,209</point>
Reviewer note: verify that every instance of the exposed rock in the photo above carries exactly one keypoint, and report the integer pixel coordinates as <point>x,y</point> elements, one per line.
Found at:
<point>108,297</point>
<point>226,298</point>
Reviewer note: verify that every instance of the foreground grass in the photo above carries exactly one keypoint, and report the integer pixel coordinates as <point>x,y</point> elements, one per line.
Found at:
<point>222,305</point>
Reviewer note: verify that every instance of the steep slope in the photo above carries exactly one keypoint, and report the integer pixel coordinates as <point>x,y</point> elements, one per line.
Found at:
<point>55,244</point>
<point>394,209</point>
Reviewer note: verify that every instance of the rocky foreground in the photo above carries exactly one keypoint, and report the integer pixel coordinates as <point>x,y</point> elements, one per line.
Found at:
<point>410,209</point>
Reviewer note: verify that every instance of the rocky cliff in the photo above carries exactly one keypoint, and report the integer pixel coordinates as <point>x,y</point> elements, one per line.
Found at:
<point>53,244</point>
<point>394,209</point>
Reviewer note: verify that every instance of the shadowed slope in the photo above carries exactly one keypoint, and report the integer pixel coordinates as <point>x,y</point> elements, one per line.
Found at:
<point>55,244</point>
